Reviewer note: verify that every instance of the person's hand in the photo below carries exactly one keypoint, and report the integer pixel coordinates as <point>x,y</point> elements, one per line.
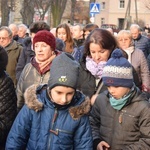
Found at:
<point>103,146</point>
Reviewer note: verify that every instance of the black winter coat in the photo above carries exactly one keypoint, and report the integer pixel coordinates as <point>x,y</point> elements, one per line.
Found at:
<point>8,106</point>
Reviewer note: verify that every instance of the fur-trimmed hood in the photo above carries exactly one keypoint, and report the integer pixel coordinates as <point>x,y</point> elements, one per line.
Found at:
<point>33,103</point>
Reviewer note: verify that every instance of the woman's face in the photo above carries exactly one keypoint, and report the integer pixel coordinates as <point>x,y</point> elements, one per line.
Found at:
<point>42,51</point>
<point>124,42</point>
<point>98,54</point>
<point>118,92</point>
<point>62,95</point>
<point>61,34</point>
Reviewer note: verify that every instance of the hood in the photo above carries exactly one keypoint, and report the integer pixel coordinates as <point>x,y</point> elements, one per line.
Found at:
<point>33,103</point>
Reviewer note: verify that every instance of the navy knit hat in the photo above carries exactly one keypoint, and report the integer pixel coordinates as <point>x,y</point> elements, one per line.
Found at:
<point>45,36</point>
<point>118,71</point>
<point>64,71</point>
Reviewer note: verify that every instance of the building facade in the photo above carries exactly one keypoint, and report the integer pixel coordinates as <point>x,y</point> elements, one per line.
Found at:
<point>123,12</point>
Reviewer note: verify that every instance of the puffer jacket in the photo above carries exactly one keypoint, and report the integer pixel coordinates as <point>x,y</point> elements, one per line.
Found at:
<point>125,129</point>
<point>51,127</point>
<point>8,106</point>
<point>143,43</point>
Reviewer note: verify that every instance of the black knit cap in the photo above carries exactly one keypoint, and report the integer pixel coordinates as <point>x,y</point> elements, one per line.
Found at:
<point>64,72</point>
<point>3,59</point>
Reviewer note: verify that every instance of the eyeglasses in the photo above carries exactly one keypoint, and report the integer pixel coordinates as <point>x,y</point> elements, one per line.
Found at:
<point>3,38</point>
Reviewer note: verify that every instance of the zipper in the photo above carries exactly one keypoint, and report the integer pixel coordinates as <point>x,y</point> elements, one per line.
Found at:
<point>41,79</point>
<point>52,126</point>
<point>64,131</point>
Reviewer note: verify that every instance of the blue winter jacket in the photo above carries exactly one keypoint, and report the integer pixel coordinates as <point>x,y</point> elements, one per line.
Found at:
<point>143,43</point>
<point>51,128</point>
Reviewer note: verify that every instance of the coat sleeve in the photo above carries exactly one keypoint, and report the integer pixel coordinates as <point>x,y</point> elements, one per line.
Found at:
<point>144,70</point>
<point>95,123</point>
<point>86,82</point>
<point>18,136</point>
<point>20,88</point>
<point>148,60</point>
<point>83,135</point>
<point>144,124</point>
<point>21,64</point>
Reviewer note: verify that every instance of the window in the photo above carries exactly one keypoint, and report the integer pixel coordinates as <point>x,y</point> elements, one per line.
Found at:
<point>102,20</point>
<point>122,4</point>
<point>103,5</point>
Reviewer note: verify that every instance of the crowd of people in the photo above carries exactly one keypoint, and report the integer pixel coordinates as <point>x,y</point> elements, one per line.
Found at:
<point>74,87</point>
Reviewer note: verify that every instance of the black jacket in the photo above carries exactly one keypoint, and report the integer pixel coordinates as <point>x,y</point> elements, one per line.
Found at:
<point>8,106</point>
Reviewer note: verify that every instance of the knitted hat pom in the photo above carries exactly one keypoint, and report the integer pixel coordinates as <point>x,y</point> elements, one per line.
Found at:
<point>117,54</point>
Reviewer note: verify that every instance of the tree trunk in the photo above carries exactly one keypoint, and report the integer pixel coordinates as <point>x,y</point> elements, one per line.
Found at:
<point>27,12</point>
<point>57,10</point>
<point>5,10</point>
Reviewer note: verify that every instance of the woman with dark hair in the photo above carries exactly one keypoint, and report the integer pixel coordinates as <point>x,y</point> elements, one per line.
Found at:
<point>97,50</point>
<point>88,28</point>
<point>8,100</point>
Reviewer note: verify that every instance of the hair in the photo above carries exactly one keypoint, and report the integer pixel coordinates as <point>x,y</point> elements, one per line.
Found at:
<point>90,27</point>
<point>23,25</point>
<point>81,27</point>
<point>13,25</point>
<point>7,29</point>
<point>124,32</point>
<point>101,37</point>
<point>37,26</point>
<point>135,26</point>
<point>69,39</point>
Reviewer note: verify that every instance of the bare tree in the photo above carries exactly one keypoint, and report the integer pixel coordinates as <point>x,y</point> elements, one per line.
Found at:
<point>57,10</point>
<point>5,10</point>
<point>27,11</point>
<point>73,7</point>
<point>42,7</point>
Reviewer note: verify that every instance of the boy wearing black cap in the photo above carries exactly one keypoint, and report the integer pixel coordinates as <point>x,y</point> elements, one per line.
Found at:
<point>54,123</point>
<point>120,117</point>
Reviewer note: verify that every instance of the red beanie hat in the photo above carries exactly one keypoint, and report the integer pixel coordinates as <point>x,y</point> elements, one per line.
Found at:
<point>45,36</point>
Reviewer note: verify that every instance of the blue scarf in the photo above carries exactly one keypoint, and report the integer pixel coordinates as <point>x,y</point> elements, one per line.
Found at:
<point>119,103</point>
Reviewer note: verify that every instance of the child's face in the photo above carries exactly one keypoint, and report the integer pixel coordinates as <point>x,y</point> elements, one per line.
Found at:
<point>62,95</point>
<point>118,92</point>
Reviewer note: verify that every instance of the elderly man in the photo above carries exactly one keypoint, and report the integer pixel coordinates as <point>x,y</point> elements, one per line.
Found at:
<point>13,49</point>
<point>14,28</point>
<point>140,41</point>
<point>22,30</point>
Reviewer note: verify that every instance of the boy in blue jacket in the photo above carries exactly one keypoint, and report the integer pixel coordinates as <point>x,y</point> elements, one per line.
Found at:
<point>54,123</point>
